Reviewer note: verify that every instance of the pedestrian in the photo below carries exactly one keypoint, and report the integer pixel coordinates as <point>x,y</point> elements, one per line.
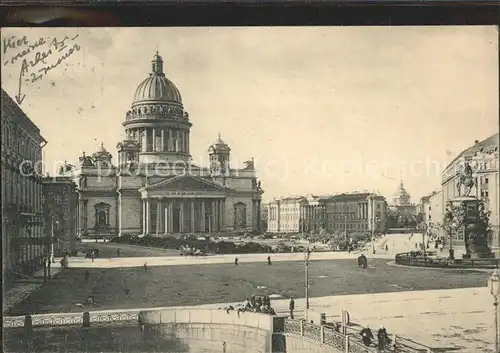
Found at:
<point>269,260</point>
<point>90,301</point>
<point>382,338</point>
<point>291,306</point>
<point>366,336</point>
<point>386,247</point>
<point>92,255</point>
<point>117,252</point>
<point>236,262</point>
<point>145,267</point>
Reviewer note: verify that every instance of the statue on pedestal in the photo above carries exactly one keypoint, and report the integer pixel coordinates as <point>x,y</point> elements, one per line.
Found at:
<point>465,179</point>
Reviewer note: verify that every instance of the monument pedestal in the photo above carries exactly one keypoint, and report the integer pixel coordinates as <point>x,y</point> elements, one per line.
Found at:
<point>475,242</point>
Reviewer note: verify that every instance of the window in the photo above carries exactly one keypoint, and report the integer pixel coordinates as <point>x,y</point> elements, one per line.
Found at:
<point>57,199</point>
<point>486,180</point>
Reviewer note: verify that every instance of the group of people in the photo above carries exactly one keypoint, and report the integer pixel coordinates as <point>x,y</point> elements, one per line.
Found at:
<point>255,304</point>
<point>258,305</point>
<point>383,339</point>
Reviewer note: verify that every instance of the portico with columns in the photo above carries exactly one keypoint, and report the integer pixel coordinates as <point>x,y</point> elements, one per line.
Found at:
<point>183,204</point>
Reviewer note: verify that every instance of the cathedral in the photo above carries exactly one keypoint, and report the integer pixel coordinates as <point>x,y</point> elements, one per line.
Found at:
<point>154,188</point>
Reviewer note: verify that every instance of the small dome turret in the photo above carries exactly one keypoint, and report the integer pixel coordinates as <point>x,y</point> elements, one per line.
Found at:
<point>219,146</point>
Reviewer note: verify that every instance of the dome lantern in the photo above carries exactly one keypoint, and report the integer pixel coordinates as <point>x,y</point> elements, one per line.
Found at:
<point>157,65</point>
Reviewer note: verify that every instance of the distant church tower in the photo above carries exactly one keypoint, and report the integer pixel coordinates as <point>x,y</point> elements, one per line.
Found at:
<point>401,196</point>
<point>219,157</point>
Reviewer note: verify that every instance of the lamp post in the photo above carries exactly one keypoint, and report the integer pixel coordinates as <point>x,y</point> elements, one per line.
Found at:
<point>422,227</point>
<point>494,286</point>
<point>53,221</point>
<point>307,253</point>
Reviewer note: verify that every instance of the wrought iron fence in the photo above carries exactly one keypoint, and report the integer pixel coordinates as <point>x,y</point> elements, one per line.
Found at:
<point>416,258</point>
<point>350,342</point>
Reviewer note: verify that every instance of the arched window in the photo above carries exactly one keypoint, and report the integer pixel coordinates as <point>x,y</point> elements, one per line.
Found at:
<point>101,215</point>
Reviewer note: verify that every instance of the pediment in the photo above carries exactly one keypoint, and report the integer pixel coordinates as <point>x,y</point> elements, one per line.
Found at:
<point>185,183</point>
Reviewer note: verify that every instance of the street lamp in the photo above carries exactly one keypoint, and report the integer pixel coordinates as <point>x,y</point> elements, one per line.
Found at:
<point>53,221</point>
<point>494,286</point>
<point>375,221</point>
<point>422,227</point>
<point>307,254</point>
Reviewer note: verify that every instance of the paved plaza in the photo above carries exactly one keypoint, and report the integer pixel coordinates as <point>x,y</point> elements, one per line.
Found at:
<point>430,306</point>
<point>407,301</point>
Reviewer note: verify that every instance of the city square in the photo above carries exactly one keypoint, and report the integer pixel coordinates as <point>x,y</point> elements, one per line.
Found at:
<point>194,212</point>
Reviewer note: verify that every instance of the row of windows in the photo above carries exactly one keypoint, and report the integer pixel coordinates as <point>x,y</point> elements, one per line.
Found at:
<point>20,190</point>
<point>350,226</point>
<point>20,142</point>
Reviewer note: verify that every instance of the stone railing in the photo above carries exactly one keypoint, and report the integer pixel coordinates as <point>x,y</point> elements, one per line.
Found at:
<point>62,319</point>
<point>348,343</point>
<point>147,316</point>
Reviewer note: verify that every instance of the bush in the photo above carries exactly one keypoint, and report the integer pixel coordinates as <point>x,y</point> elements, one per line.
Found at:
<point>170,242</point>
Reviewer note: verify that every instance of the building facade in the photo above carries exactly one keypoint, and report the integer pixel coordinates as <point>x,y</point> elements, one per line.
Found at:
<point>155,188</point>
<point>354,212</point>
<point>284,215</point>
<point>432,212</point>
<point>482,156</point>
<point>22,222</point>
<point>60,205</point>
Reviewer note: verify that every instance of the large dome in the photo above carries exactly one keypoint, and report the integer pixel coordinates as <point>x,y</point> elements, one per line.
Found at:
<point>157,88</point>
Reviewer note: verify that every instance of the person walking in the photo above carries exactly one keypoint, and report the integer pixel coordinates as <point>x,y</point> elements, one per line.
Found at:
<point>117,252</point>
<point>236,262</point>
<point>291,306</point>
<point>366,336</point>
<point>269,260</point>
<point>382,338</point>
<point>92,256</point>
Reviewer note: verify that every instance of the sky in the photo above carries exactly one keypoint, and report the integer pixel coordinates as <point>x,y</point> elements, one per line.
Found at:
<point>321,110</point>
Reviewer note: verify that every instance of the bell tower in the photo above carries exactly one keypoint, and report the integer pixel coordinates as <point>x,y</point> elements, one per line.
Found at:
<point>218,153</point>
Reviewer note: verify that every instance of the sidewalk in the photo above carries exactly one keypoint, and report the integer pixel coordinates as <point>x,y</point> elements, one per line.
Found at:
<point>24,287</point>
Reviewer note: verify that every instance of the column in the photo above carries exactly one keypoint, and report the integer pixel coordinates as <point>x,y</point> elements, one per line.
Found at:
<point>258,215</point>
<point>162,140</point>
<point>170,216</point>
<point>192,216</point>
<point>81,219</point>
<point>153,135</point>
<point>222,213</point>
<point>203,226</point>
<point>176,147</point>
<point>158,216</point>
<point>215,216</point>
<point>85,215</point>
<point>148,216</point>
<point>181,217</point>
<point>187,141</point>
<point>169,141</point>
<point>144,211</point>
<point>181,141</point>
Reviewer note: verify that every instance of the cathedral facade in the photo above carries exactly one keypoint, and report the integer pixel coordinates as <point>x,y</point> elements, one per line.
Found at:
<point>155,188</point>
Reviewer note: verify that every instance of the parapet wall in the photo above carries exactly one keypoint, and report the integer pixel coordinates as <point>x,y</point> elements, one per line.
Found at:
<point>170,330</point>
<point>214,330</point>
